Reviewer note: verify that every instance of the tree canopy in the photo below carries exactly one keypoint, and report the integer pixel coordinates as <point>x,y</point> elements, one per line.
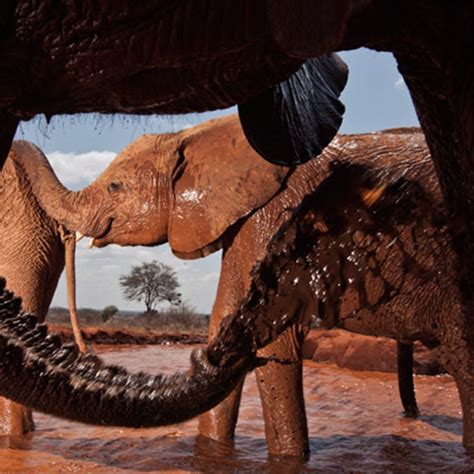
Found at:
<point>151,283</point>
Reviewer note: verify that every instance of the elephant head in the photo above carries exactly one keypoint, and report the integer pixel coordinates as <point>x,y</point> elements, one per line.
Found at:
<point>187,188</point>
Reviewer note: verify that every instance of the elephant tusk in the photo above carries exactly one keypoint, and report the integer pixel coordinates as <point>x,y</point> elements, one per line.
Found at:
<point>79,236</point>
<point>91,243</point>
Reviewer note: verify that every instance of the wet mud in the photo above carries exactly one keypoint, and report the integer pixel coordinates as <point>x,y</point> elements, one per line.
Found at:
<point>355,425</point>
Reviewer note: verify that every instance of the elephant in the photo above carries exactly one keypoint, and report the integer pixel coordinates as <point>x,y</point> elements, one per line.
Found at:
<point>34,250</point>
<point>156,58</point>
<point>204,189</point>
<point>40,371</point>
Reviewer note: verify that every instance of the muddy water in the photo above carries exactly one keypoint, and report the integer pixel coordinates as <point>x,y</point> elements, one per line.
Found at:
<point>354,423</point>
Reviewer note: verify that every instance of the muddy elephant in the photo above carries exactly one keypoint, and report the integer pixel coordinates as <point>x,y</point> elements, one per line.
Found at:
<point>38,370</point>
<point>34,248</point>
<point>157,58</point>
<point>371,250</point>
<point>204,189</point>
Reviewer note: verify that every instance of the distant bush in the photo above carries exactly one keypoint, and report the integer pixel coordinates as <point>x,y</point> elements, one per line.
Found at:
<point>86,316</point>
<point>108,312</point>
<point>181,317</point>
<point>175,319</point>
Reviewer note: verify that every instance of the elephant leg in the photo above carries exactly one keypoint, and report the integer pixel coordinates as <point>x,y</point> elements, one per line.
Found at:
<point>466,395</point>
<point>280,383</point>
<point>406,386</point>
<point>238,259</point>
<point>458,360</point>
<point>15,419</point>
<point>219,423</point>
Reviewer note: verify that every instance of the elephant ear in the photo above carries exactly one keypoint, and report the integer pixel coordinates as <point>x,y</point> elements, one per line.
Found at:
<point>219,180</point>
<point>293,121</point>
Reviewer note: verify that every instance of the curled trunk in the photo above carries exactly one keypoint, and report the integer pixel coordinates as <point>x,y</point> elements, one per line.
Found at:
<point>38,371</point>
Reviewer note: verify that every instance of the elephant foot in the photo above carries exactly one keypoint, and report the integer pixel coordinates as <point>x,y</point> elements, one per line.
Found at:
<point>15,419</point>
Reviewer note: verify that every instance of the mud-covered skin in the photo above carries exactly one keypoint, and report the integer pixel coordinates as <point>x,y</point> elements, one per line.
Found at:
<point>159,58</point>
<point>398,152</point>
<point>391,268</point>
<point>381,269</point>
<point>155,57</point>
<point>32,258</point>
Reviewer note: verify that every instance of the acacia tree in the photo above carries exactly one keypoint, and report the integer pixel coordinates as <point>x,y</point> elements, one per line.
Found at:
<point>151,282</point>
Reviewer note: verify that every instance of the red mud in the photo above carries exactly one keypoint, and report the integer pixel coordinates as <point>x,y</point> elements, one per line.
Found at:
<point>355,425</point>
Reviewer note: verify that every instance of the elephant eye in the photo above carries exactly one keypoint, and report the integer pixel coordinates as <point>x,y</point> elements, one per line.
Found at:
<point>114,186</point>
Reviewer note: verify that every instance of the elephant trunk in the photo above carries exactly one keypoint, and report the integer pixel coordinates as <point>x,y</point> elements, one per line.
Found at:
<point>37,370</point>
<point>66,207</point>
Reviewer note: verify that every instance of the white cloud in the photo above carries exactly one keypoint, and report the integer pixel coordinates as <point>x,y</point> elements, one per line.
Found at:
<point>399,83</point>
<point>75,169</point>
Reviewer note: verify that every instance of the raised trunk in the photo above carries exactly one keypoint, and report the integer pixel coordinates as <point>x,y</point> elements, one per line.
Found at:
<point>66,207</point>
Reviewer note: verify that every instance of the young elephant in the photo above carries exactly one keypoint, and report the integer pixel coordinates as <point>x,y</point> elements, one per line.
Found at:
<point>370,247</point>
<point>204,189</point>
<point>34,248</point>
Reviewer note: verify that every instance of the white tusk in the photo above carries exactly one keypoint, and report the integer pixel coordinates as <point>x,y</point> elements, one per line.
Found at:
<point>79,236</point>
<point>91,243</point>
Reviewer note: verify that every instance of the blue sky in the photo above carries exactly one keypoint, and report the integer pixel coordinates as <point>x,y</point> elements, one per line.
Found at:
<point>80,147</point>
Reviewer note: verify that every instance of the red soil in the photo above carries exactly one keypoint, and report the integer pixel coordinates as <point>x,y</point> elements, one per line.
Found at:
<point>102,335</point>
